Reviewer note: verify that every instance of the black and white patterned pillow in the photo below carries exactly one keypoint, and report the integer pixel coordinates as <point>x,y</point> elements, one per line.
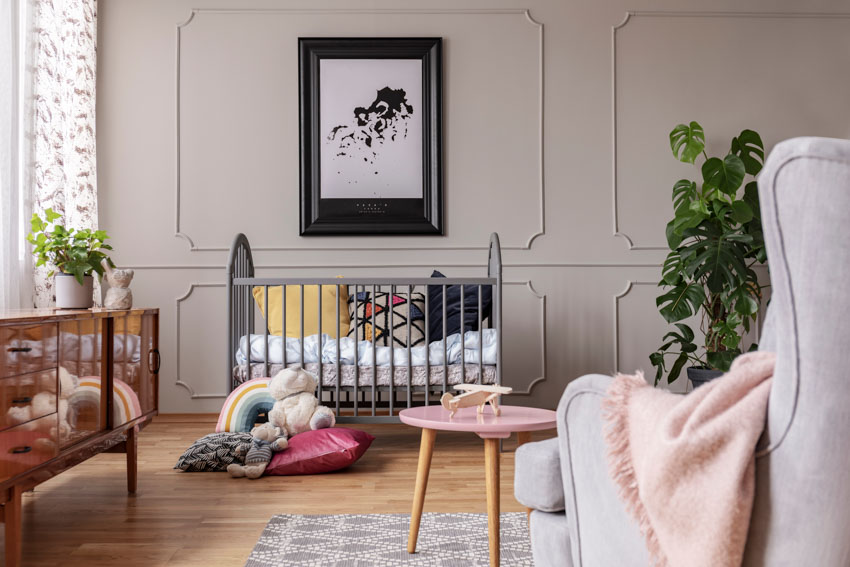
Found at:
<point>213,452</point>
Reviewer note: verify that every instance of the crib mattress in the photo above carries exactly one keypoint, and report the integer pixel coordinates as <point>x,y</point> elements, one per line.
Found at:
<point>456,374</point>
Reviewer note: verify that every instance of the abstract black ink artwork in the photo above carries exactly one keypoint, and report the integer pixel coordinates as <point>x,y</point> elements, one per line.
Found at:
<point>370,136</point>
<point>384,121</point>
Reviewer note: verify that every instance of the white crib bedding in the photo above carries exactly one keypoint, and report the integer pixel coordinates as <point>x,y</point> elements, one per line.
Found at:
<point>328,347</point>
<point>457,374</point>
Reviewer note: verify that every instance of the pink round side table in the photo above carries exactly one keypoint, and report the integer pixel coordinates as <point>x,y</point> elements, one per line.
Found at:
<point>489,427</point>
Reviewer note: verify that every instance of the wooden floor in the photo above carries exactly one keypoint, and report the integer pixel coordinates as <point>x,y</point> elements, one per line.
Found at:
<point>85,516</point>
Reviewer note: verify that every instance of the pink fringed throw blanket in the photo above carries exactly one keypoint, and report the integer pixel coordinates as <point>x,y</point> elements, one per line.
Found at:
<point>685,465</point>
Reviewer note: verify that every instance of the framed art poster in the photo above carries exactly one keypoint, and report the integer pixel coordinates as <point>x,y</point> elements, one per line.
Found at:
<point>371,135</point>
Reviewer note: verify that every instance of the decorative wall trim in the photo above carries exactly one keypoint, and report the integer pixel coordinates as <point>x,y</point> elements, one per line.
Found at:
<point>335,11</point>
<point>542,298</point>
<point>630,244</point>
<point>192,394</point>
<point>629,286</point>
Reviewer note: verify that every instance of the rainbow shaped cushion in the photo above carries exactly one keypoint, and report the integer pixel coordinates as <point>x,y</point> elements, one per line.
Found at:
<point>125,402</point>
<point>244,405</point>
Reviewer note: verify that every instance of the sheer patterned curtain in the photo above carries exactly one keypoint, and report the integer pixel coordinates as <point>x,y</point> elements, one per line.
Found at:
<point>64,166</point>
<point>15,143</point>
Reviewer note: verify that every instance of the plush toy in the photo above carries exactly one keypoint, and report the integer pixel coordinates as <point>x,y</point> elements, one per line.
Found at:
<point>267,439</point>
<point>43,403</point>
<point>296,408</point>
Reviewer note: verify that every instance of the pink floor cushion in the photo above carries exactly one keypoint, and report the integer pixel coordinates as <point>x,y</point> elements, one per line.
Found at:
<point>320,451</point>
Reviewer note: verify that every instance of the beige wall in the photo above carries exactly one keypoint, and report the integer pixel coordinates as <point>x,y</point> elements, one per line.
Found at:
<point>556,119</point>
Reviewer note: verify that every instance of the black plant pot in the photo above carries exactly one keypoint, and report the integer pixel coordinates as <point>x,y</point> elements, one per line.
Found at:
<point>699,376</point>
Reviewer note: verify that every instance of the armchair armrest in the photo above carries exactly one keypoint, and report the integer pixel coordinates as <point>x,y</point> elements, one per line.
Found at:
<point>601,532</point>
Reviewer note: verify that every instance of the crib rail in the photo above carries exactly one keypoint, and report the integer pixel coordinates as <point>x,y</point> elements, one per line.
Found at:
<point>373,402</point>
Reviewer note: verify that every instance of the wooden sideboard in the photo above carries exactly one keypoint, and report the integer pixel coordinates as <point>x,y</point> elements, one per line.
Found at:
<point>73,384</point>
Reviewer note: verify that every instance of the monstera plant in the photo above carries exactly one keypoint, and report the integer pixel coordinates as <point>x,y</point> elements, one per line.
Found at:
<point>715,239</point>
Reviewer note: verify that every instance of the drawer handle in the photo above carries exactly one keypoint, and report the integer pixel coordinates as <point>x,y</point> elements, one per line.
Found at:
<point>19,450</point>
<point>20,349</point>
<point>153,355</point>
<point>24,400</point>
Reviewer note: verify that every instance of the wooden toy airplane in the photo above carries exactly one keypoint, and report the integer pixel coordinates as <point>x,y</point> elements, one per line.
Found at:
<point>474,395</point>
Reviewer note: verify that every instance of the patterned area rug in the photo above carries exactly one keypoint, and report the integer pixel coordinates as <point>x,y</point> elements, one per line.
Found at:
<point>366,540</point>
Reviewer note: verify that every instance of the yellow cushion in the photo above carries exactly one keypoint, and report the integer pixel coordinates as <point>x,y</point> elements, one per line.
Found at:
<point>311,308</point>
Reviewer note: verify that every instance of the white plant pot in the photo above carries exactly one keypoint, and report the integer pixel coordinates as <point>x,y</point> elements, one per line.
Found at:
<point>72,295</point>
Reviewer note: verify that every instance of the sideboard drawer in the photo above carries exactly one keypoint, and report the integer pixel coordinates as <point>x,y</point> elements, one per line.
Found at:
<point>27,397</point>
<point>27,445</point>
<point>27,348</point>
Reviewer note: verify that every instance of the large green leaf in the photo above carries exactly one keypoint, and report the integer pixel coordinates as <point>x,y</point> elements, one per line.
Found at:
<point>676,369</point>
<point>671,270</point>
<point>742,212</point>
<point>687,141</point>
<point>749,147</point>
<point>680,302</point>
<point>684,192</point>
<point>725,175</point>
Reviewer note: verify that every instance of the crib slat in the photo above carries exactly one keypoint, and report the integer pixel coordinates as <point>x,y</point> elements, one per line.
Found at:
<point>301,312</point>
<point>374,353</point>
<point>266,331</point>
<point>427,347</point>
<point>246,293</point>
<point>409,362</point>
<point>462,336</point>
<point>445,347</point>
<point>391,340</point>
<point>356,388</point>
<point>338,373</point>
<point>480,340</point>
<point>321,342</point>
<point>283,322</point>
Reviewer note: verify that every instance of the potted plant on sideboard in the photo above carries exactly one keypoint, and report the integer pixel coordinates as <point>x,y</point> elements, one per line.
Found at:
<point>74,255</point>
<point>715,238</point>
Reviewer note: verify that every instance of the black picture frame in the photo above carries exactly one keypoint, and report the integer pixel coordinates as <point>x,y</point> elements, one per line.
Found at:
<point>365,215</point>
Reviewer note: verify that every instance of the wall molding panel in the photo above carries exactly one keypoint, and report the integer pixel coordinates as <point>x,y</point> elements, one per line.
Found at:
<point>631,16</point>
<point>630,285</point>
<point>193,394</point>
<point>525,14</point>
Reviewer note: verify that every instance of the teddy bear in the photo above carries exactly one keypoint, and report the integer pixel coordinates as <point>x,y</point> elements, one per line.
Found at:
<point>267,439</point>
<point>296,408</point>
<point>42,404</point>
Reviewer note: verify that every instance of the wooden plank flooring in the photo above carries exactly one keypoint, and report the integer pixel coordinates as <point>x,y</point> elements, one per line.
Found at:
<point>84,517</point>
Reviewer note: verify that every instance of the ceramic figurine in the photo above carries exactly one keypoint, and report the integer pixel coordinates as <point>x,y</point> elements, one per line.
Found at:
<point>475,395</point>
<point>118,296</point>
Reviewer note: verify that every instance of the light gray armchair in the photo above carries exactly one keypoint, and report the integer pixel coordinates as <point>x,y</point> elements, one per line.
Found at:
<point>801,513</point>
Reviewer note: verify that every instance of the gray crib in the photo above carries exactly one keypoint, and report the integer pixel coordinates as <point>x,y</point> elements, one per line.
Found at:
<point>370,392</point>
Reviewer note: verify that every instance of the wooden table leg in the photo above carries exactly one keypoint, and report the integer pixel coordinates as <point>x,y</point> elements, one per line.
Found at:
<point>12,517</point>
<point>523,437</point>
<point>426,449</point>
<point>491,471</point>
<point>132,465</point>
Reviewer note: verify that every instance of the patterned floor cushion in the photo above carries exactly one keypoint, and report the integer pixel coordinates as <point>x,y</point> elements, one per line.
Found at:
<point>213,452</point>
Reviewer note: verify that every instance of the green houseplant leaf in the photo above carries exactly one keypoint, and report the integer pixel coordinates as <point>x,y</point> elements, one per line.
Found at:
<point>750,149</point>
<point>687,141</point>
<point>725,175</point>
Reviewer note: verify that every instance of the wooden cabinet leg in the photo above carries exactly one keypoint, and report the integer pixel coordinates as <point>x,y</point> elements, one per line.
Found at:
<point>132,465</point>
<point>426,449</point>
<point>491,472</point>
<point>12,517</point>
<point>523,437</point>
